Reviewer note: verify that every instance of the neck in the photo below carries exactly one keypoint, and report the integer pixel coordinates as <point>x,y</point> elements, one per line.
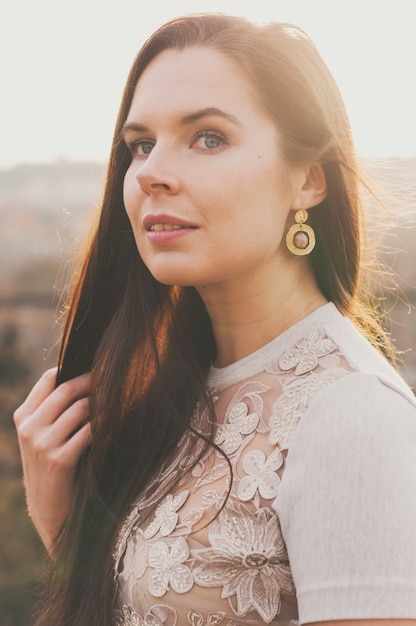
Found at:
<point>245,319</point>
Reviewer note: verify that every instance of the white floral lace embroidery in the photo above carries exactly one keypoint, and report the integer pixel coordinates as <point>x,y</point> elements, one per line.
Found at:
<point>166,516</point>
<point>239,422</point>
<point>127,617</point>
<point>195,618</point>
<point>158,615</point>
<point>248,559</point>
<point>244,556</point>
<point>305,355</point>
<point>169,568</point>
<point>293,402</point>
<point>261,475</point>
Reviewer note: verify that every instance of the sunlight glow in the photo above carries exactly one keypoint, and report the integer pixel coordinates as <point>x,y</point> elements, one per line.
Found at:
<point>63,66</point>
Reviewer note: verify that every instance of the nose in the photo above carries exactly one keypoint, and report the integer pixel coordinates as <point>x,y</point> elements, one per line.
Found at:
<point>158,173</point>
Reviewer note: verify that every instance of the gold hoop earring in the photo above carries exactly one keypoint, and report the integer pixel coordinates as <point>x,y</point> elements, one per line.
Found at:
<point>300,238</point>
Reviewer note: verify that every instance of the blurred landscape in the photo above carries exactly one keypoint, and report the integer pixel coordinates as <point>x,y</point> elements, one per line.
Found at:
<point>45,211</point>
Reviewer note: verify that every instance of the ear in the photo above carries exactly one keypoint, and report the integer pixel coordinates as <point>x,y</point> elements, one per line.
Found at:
<point>313,190</point>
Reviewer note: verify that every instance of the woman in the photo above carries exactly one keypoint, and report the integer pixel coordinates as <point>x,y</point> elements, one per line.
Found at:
<point>220,444</point>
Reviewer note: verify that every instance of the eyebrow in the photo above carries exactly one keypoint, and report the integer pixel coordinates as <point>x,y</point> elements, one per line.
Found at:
<point>209,111</point>
<point>188,119</point>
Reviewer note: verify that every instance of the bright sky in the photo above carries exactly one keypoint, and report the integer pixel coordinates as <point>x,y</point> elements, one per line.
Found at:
<point>63,65</point>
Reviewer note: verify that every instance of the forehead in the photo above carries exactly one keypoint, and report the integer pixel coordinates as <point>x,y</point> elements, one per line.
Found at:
<point>195,77</point>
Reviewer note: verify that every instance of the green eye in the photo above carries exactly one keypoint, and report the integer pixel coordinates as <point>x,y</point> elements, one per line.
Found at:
<point>144,147</point>
<point>209,140</point>
<point>212,141</point>
<point>141,148</point>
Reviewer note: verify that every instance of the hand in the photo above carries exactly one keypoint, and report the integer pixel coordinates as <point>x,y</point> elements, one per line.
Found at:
<point>53,431</point>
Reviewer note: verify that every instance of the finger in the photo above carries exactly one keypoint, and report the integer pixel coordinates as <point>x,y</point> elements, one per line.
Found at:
<point>61,399</point>
<point>76,445</point>
<point>65,426</point>
<point>40,391</point>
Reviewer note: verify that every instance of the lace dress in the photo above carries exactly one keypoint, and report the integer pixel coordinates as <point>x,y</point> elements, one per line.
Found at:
<point>196,561</point>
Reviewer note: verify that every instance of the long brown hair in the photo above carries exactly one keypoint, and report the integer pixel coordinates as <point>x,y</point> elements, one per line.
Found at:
<point>148,345</point>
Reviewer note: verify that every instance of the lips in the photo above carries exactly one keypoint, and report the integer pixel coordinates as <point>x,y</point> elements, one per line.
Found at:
<point>158,223</point>
<point>166,230</point>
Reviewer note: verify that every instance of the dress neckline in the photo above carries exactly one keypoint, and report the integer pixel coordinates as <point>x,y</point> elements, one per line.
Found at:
<point>256,361</point>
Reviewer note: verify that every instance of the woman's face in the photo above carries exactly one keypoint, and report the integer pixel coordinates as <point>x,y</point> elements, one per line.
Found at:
<point>207,192</point>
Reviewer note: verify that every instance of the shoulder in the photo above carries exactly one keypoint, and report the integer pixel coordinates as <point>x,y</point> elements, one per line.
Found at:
<point>359,352</point>
<point>357,434</point>
<point>331,372</point>
<point>347,501</point>
<point>362,401</point>
<point>359,426</point>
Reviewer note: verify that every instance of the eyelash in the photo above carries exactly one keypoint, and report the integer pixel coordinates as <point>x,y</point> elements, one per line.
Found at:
<point>134,146</point>
<point>210,133</point>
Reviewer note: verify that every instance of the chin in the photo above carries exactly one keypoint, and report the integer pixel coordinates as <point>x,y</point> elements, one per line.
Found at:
<point>172,278</point>
<point>171,273</point>
<point>186,274</point>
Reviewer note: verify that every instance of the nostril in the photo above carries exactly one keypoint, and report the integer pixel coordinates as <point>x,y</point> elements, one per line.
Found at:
<point>162,185</point>
<point>151,182</point>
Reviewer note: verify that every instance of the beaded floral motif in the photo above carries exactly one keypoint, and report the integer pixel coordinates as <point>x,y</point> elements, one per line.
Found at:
<point>230,435</point>
<point>243,558</point>
<point>248,559</point>
<point>162,615</point>
<point>238,420</point>
<point>293,402</point>
<point>166,516</point>
<point>261,475</point>
<point>158,615</point>
<point>127,617</point>
<point>307,352</point>
<point>195,618</point>
<point>169,568</point>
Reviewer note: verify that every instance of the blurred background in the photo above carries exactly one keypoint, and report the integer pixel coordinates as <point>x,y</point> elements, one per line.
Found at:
<point>62,68</point>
